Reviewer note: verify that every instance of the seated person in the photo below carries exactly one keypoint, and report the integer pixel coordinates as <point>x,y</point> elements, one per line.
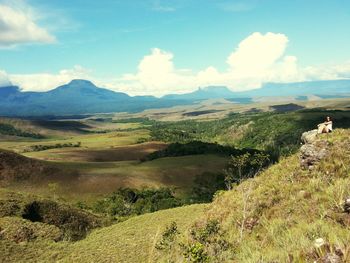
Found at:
<point>326,126</point>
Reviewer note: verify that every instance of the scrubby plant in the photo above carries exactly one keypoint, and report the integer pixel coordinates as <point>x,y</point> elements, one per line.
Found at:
<point>196,253</point>
<point>168,237</point>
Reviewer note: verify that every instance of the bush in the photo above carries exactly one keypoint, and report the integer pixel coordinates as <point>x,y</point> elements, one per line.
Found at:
<point>168,237</point>
<point>39,147</point>
<point>128,202</point>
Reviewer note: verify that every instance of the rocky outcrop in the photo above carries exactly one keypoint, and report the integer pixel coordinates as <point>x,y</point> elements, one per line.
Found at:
<point>313,149</point>
<point>309,136</point>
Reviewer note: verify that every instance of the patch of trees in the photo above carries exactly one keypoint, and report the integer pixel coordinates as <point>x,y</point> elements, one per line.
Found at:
<point>39,147</point>
<point>195,148</point>
<point>187,131</point>
<point>7,129</point>
<point>128,202</point>
<point>269,131</point>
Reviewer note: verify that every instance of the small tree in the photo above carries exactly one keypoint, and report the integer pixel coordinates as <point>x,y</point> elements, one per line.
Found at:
<point>53,187</point>
<point>244,166</point>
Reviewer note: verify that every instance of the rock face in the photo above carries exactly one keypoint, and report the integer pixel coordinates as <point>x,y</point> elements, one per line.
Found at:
<point>313,150</point>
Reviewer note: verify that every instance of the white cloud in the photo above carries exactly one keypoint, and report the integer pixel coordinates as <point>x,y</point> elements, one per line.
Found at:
<point>257,53</point>
<point>328,71</point>
<point>18,25</point>
<point>157,75</point>
<point>259,58</point>
<point>47,81</point>
<point>4,80</point>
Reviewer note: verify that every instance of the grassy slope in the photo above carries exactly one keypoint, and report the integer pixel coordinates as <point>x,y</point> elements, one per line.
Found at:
<point>129,241</point>
<point>291,208</point>
<point>89,141</point>
<point>132,240</point>
<point>94,180</point>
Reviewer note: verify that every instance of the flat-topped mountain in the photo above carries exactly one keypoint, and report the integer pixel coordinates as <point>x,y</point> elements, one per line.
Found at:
<point>211,92</point>
<point>83,97</point>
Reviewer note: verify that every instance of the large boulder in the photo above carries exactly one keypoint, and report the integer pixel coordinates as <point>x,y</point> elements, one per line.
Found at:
<point>309,136</point>
<point>313,150</point>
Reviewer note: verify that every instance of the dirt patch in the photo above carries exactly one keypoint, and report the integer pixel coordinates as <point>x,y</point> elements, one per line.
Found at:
<point>122,153</point>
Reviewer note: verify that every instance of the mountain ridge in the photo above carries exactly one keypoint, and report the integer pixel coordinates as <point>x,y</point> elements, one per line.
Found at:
<point>81,96</point>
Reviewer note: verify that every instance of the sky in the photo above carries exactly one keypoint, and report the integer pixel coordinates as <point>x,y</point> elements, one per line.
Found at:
<point>157,47</point>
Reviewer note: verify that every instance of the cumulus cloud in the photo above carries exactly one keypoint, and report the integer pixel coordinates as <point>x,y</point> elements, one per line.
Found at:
<point>18,25</point>
<point>47,81</point>
<point>257,59</point>
<point>257,53</point>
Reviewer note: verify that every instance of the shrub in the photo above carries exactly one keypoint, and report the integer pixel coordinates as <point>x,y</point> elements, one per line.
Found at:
<point>128,202</point>
<point>168,237</point>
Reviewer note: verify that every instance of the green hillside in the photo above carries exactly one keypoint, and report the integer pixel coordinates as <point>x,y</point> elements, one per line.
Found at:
<point>280,215</point>
<point>285,214</point>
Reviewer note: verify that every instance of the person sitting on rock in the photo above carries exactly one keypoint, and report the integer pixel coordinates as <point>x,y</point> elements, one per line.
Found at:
<point>326,126</point>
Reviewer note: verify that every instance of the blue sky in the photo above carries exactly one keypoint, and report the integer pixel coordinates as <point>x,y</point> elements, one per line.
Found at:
<point>107,41</point>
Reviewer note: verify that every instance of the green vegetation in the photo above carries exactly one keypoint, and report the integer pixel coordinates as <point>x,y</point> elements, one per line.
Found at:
<point>271,131</point>
<point>285,214</point>
<point>205,186</point>
<point>68,223</point>
<point>128,202</point>
<point>8,129</point>
<point>274,212</point>
<point>195,148</point>
<point>244,166</point>
<point>39,147</point>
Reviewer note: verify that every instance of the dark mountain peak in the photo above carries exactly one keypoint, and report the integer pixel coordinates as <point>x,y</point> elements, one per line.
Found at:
<point>204,93</point>
<point>216,89</point>
<point>8,90</point>
<point>79,84</point>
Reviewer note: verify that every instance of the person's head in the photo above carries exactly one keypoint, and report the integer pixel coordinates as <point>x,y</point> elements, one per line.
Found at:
<point>328,118</point>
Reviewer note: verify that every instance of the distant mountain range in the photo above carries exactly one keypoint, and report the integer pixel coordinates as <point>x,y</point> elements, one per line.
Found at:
<point>322,89</point>
<point>83,97</point>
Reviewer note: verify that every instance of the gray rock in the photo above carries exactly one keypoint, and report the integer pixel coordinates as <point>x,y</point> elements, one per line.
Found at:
<point>312,152</point>
<point>309,136</point>
<point>331,258</point>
